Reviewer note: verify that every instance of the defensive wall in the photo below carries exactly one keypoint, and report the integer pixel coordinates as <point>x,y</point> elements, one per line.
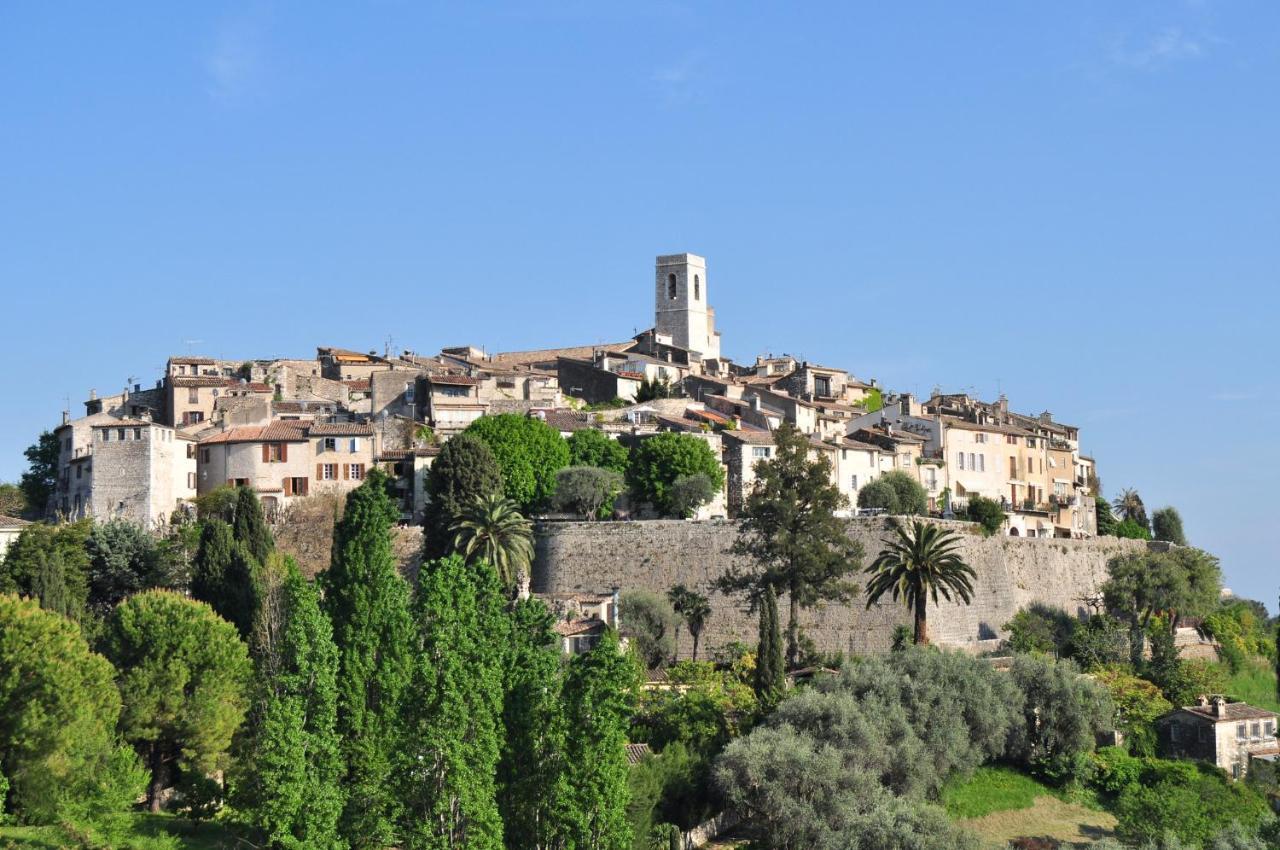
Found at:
<point>1012,572</point>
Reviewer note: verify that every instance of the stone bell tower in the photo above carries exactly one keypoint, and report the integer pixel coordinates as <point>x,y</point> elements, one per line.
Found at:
<point>680,304</point>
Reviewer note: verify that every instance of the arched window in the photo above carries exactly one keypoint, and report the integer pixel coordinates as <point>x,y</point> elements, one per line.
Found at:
<point>697,288</point>
<point>671,287</point>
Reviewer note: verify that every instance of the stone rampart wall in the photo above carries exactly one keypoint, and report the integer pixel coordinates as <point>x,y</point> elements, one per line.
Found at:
<point>655,555</point>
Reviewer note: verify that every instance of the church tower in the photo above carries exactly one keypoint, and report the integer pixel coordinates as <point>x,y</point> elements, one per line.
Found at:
<point>680,304</point>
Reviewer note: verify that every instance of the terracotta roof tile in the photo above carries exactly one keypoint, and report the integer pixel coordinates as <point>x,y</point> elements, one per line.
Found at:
<point>584,626</point>
<point>202,381</point>
<point>12,522</point>
<point>340,429</point>
<point>193,361</point>
<point>274,432</point>
<point>1235,711</point>
<point>455,380</point>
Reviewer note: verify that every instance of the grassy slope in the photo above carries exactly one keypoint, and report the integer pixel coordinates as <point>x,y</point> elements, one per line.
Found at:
<point>1000,804</point>
<point>190,836</point>
<point>1255,684</point>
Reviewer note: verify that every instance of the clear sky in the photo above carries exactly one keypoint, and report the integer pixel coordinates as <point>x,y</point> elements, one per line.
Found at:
<point>1075,203</point>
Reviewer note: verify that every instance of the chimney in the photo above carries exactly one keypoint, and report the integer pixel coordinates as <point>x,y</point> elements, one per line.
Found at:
<point>1219,707</point>
<point>1203,700</point>
<point>1046,417</point>
<point>755,403</point>
<point>93,395</point>
<point>66,417</point>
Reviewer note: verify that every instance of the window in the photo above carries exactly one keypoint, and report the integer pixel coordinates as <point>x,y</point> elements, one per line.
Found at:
<point>79,470</point>
<point>191,481</point>
<point>853,483</point>
<point>1030,468</point>
<point>295,486</point>
<point>1269,728</point>
<point>355,445</point>
<point>454,392</point>
<point>973,462</point>
<point>328,471</point>
<point>671,287</point>
<point>1255,731</point>
<point>697,288</point>
<point>106,435</point>
<point>979,438</point>
<point>137,433</point>
<point>759,451</point>
<point>120,434</point>
<point>329,444</point>
<point>409,393</point>
<point>182,370</point>
<point>357,471</point>
<point>67,444</point>
<point>1173,732</point>
<point>962,460</point>
<point>204,455</point>
<point>1242,731</point>
<point>982,463</point>
<point>273,452</point>
<point>906,461</point>
<point>193,396</point>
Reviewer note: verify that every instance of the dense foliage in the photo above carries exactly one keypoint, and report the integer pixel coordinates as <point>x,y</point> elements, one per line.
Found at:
<point>987,513</point>
<point>585,490</point>
<point>659,460</point>
<point>650,623</point>
<point>1166,524</point>
<point>368,604</point>
<point>452,725</point>
<point>490,529</point>
<point>591,447</point>
<point>287,780</point>
<point>694,609</point>
<point>528,451</point>
<point>464,471</point>
<point>58,710</point>
<point>50,564</point>
<point>41,477</point>
<point>183,673</point>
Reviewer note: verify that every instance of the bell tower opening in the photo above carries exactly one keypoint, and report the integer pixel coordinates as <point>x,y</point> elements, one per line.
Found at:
<point>671,287</point>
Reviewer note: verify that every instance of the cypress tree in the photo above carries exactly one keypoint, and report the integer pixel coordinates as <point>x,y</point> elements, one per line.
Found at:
<point>1278,654</point>
<point>249,526</point>
<point>531,775</point>
<point>368,604</point>
<point>212,562</point>
<point>291,767</point>
<point>770,676</point>
<point>452,725</point>
<point>464,470</point>
<point>599,699</point>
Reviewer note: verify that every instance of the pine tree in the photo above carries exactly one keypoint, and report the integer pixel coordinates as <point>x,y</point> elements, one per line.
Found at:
<point>250,527</point>
<point>452,726</point>
<point>770,677</point>
<point>532,773</point>
<point>599,698</point>
<point>291,765</point>
<point>368,604</point>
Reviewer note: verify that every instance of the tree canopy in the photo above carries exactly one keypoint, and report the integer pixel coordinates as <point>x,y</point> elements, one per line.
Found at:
<point>50,564</point>
<point>592,447</point>
<point>659,460</point>
<point>1166,524</point>
<point>490,529</point>
<point>650,623</point>
<point>464,470</point>
<point>58,710</point>
<point>528,451</point>
<point>368,604</point>
<point>183,673</point>
<point>41,478</point>
<point>798,545</point>
<point>585,490</point>
<point>919,564</point>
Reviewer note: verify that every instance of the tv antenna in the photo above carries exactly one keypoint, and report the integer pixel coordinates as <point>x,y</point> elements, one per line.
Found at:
<point>189,343</point>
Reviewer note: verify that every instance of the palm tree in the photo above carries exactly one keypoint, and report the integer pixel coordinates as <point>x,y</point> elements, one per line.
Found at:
<point>918,566</point>
<point>693,608</point>
<point>1128,505</point>
<point>491,528</point>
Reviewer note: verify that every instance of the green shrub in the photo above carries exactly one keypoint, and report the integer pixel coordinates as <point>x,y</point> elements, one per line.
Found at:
<point>987,513</point>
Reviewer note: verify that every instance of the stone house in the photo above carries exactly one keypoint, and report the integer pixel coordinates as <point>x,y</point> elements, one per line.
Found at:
<point>134,469</point>
<point>341,364</point>
<point>284,461</point>
<point>581,618</point>
<point>1226,734</point>
<point>449,403</point>
<point>409,469</point>
<point>585,380</point>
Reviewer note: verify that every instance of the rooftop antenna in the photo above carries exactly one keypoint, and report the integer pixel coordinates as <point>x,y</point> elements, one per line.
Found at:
<point>387,346</point>
<point>190,343</point>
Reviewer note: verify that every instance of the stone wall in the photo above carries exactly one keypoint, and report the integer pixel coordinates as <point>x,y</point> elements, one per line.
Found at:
<point>655,555</point>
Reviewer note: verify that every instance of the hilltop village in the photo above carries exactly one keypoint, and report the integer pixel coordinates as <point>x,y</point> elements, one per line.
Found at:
<point>294,427</point>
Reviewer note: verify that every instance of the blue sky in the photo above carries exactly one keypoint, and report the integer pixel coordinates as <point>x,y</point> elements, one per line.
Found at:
<point>1078,204</point>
